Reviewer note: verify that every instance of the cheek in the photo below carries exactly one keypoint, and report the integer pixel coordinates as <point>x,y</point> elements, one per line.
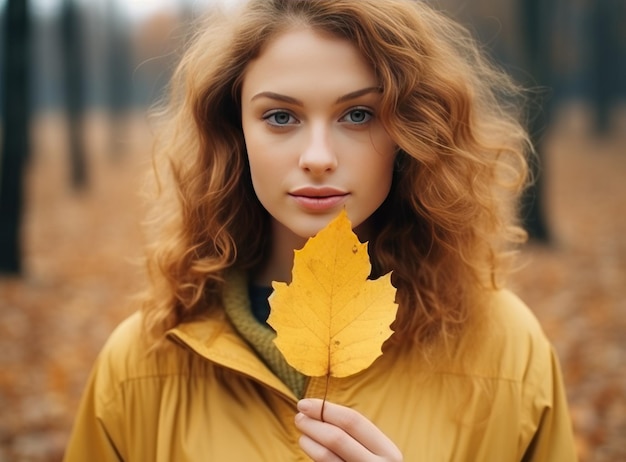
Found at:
<point>384,161</point>
<point>269,156</point>
<point>262,188</point>
<point>256,149</point>
<point>266,169</point>
<point>259,171</point>
<point>374,175</point>
<point>384,175</point>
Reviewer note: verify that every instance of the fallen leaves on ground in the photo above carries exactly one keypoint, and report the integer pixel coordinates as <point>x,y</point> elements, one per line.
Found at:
<point>81,272</point>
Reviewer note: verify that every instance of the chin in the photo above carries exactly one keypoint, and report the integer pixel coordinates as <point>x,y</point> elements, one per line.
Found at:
<point>297,232</point>
<point>296,229</point>
<point>306,232</point>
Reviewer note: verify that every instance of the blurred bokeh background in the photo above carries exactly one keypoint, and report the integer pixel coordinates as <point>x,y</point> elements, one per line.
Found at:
<point>77,79</point>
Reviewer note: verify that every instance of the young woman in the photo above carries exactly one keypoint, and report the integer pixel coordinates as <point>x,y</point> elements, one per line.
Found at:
<point>281,115</point>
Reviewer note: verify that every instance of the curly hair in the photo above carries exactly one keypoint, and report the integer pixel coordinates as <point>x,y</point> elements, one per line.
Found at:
<point>448,228</point>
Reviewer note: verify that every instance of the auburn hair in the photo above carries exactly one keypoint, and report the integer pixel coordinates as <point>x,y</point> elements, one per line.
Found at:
<point>448,228</point>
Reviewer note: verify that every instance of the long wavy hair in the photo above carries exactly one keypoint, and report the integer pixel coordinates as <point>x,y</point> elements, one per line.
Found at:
<point>448,228</point>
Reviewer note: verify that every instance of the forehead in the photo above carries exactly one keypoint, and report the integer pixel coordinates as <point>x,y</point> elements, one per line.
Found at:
<point>305,58</point>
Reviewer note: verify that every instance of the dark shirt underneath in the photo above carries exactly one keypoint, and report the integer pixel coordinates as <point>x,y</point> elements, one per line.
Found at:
<point>258,302</point>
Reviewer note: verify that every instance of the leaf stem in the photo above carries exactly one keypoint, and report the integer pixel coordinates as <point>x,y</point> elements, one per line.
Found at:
<point>325,395</point>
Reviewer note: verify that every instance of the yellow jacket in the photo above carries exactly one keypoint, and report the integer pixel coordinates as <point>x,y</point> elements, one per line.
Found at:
<point>498,398</point>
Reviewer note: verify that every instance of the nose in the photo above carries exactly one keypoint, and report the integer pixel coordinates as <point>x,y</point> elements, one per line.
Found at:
<point>318,156</point>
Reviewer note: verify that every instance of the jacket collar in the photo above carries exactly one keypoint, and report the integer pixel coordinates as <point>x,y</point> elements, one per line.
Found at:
<point>214,338</point>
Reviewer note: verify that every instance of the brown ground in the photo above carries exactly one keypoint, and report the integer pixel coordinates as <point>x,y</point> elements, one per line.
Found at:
<point>79,252</point>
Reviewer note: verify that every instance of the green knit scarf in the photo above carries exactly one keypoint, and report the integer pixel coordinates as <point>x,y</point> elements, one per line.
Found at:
<point>259,336</point>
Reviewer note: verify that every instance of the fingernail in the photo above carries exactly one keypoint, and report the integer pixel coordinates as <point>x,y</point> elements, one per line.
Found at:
<point>304,405</point>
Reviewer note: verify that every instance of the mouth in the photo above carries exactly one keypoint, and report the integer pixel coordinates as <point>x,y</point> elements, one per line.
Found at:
<point>318,199</point>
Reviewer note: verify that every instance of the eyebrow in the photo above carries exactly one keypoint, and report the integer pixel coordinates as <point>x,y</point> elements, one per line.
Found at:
<point>342,99</point>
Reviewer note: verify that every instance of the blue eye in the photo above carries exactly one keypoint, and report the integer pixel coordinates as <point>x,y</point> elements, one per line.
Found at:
<point>357,116</point>
<point>280,118</point>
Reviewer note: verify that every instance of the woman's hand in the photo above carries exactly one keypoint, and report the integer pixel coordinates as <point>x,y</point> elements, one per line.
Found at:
<point>344,435</point>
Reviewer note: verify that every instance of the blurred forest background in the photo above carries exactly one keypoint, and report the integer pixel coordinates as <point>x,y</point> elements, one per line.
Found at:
<point>77,78</point>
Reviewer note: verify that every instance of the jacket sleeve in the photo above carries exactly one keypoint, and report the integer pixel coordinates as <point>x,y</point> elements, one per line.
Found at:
<point>553,439</point>
<point>90,439</point>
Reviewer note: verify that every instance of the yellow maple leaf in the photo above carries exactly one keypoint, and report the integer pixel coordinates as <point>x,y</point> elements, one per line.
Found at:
<point>331,320</point>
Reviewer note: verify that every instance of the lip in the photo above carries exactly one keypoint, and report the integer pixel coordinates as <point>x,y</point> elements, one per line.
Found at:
<point>318,199</point>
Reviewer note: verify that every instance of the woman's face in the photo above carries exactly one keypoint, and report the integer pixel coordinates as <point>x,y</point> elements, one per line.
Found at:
<point>309,107</point>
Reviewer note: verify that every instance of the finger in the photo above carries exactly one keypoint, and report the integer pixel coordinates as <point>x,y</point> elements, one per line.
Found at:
<point>318,452</point>
<point>354,424</point>
<point>329,440</point>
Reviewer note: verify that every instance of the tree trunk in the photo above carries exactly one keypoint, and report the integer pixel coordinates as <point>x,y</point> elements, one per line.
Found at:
<point>15,142</point>
<point>537,18</point>
<point>74,91</point>
<point>607,64</point>
<point>119,79</point>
